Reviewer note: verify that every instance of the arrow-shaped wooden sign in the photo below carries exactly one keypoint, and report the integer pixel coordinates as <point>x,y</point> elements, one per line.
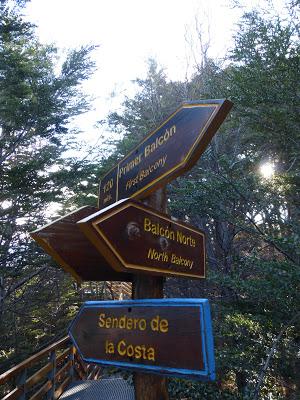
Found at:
<point>136,238</point>
<point>68,246</point>
<point>167,152</point>
<point>165,336</point>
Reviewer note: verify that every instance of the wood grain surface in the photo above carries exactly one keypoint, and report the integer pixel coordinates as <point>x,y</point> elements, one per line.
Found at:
<point>168,337</point>
<point>166,153</point>
<point>135,238</point>
<point>69,247</point>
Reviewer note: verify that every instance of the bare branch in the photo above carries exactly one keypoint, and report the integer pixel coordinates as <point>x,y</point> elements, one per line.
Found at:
<point>270,355</point>
<point>22,282</point>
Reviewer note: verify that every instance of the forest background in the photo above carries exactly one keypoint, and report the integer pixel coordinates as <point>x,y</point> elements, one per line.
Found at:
<point>251,222</point>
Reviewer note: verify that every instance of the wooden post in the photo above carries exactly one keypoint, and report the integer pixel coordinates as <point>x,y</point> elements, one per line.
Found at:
<point>51,375</point>
<point>148,386</point>
<point>21,383</point>
<point>72,359</point>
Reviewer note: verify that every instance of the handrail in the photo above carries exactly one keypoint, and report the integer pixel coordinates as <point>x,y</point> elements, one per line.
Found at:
<point>31,360</point>
<point>51,379</point>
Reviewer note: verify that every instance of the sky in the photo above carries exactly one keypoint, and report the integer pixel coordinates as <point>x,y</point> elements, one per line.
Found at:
<point>128,33</point>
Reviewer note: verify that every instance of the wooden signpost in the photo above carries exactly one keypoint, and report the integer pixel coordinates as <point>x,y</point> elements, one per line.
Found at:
<point>135,238</point>
<point>132,241</point>
<point>167,152</point>
<point>167,336</point>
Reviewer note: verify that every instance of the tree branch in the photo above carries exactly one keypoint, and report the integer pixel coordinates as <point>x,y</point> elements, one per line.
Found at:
<point>22,282</point>
<point>270,355</point>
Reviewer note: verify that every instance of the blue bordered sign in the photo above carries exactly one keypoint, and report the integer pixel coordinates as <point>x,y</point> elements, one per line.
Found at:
<point>164,336</point>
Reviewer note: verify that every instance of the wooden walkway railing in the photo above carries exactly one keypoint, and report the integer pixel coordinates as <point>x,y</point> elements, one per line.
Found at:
<point>46,374</point>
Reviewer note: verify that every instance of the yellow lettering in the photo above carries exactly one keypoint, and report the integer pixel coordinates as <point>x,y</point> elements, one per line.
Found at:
<point>147,151</point>
<point>138,352</point>
<point>108,185</point>
<point>135,323</point>
<point>129,324</point>
<point>142,324</point>
<point>166,135</point>
<point>135,351</point>
<point>164,326</point>
<point>122,348</point>
<point>159,141</point>
<point>101,322</point>
<point>151,354</point>
<point>122,322</point>
<point>143,348</point>
<point>158,256</point>
<point>155,323</point>
<point>115,323</point>
<point>130,165</point>
<point>185,262</point>
<point>158,230</point>
<point>147,225</point>
<point>186,240</point>
<point>107,198</point>
<point>130,351</point>
<point>159,325</point>
<point>109,347</point>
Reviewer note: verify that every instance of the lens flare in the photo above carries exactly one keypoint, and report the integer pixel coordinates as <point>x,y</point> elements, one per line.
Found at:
<point>267,170</point>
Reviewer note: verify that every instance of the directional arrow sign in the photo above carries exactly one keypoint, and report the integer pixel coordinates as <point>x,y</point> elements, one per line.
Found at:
<point>167,152</point>
<point>63,240</point>
<point>136,238</point>
<point>166,336</point>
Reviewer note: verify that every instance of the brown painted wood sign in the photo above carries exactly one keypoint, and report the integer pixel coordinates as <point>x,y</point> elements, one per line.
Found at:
<point>69,247</point>
<point>167,152</point>
<point>165,336</point>
<point>136,238</point>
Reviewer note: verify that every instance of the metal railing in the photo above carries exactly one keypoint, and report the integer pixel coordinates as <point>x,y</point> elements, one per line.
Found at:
<point>46,374</point>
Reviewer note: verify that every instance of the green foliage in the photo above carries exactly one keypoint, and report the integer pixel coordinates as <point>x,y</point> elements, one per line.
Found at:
<point>156,98</point>
<point>251,224</point>
<point>265,84</point>
<point>37,103</point>
<point>188,390</point>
